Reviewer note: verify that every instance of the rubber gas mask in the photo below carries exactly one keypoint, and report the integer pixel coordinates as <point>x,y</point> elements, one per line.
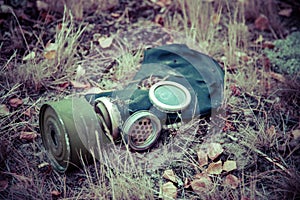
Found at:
<point>174,85</point>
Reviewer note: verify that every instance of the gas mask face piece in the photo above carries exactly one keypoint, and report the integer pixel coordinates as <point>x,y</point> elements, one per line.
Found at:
<point>173,86</point>
<point>139,118</point>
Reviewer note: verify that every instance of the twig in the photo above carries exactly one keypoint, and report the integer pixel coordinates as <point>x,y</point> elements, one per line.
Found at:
<point>265,156</point>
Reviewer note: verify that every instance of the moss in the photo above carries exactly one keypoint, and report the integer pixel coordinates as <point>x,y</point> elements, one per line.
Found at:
<point>285,57</point>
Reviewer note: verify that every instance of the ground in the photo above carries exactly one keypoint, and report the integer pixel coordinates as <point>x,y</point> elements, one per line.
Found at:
<point>47,55</point>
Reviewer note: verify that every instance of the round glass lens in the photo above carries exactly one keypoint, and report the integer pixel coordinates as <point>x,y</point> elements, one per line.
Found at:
<point>170,95</point>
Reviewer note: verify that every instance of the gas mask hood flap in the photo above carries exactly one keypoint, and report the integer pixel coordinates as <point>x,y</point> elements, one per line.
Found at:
<point>199,69</point>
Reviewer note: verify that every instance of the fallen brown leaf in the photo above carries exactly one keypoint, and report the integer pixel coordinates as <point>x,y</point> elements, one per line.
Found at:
<point>229,165</point>
<point>93,90</point>
<point>163,3</point>
<point>262,23</point>
<point>215,168</point>
<point>63,86</point>
<point>245,198</point>
<point>214,150</point>
<point>202,183</point>
<point>28,112</point>
<point>115,15</point>
<point>260,39</point>
<point>4,111</point>
<point>169,175</point>
<point>216,18</point>
<point>186,183</point>
<point>159,19</point>
<point>29,136</point>
<point>286,12</point>
<point>55,193</point>
<point>50,55</point>
<point>105,42</point>
<point>296,134</point>
<point>3,185</point>
<point>168,190</point>
<point>202,158</point>
<point>79,85</point>
<point>271,132</point>
<point>15,102</point>
<point>268,45</point>
<point>50,51</point>
<point>278,77</point>
<point>80,71</point>
<point>42,5</point>
<point>29,56</point>
<point>232,181</point>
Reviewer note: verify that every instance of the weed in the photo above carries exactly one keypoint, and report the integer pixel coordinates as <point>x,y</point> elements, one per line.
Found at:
<point>199,21</point>
<point>57,67</point>
<point>285,55</point>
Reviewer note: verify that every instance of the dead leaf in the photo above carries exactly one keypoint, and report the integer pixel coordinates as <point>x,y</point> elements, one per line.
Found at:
<point>214,150</point>
<point>278,77</point>
<point>28,112</point>
<point>286,12</point>
<point>163,3</point>
<point>169,175</point>
<point>4,111</point>
<point>93,90</point>
<point>80,71</point>
<point>55,193</point>
<point>63,86</point>
<point>115,15</point>
<point>296,134</point>
<point>29,56</point>
<point>42,5</point>
<point>229,165</point>
<point>3,185</point>
<point>268,45</point>
<point>159,19</point>
<point>50,51</point>
<point>79,85</point>
<point>50,54</point>
<point>240,54</point>
<point>15,102</point>
<point>260,39</point>
<point>262,23</point>
<point>235,91</point>
<point>245,198</point>
<point>232,181</point>
<point>29,136</point>
<point>168,190</point>
<point>216,18</point>
<point>105,42</point>
<point>202,158</point>
<point>96,37</point>
<point>215,168</point>
<point>271,132</point>
<point>186,183</point>
<point>202,183</point>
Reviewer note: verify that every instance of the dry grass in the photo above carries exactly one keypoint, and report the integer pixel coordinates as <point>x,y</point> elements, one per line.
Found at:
<point>55,63</point>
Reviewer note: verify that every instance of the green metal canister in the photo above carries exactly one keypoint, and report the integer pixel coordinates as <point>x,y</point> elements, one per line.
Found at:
<point>71,132</point>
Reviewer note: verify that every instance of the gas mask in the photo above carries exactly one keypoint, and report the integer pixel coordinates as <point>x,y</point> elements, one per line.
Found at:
<point>174,85</point>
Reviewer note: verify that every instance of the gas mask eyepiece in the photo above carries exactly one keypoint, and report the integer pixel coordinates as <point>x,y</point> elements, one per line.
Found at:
<point>169,96</point>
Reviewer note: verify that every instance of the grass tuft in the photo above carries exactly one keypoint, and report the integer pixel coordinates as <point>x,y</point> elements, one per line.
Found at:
<point>54,64</point>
